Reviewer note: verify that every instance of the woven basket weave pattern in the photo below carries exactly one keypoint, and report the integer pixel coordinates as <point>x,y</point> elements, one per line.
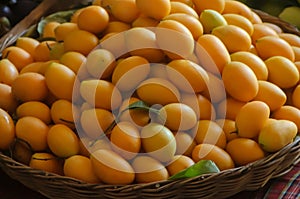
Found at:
<point>220,185</point>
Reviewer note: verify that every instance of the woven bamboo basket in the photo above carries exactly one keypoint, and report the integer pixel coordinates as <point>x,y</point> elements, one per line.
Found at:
<point>218,185</point>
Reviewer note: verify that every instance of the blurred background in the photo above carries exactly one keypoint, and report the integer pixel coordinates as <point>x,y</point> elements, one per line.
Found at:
<point>287,10</point>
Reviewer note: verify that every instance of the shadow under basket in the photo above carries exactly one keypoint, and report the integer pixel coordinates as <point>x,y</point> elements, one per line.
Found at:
<point>219,185</point>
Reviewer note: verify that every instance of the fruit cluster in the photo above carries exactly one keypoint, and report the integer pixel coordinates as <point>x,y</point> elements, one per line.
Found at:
<point>134,91</point>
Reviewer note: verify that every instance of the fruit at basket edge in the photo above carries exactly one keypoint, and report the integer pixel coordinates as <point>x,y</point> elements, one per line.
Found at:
<point>80,167</point>
<point>290,14</point>
<point>148,169</point>
<point>111,168</point>
<point>7,132</point>
<point>276,134</point>
<point>244,151</point>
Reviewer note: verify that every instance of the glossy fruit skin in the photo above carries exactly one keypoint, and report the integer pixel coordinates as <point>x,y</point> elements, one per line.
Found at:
<point>158,141</point>
<point>276,134</point>
<point>7,130</point>
<point>111,168</point>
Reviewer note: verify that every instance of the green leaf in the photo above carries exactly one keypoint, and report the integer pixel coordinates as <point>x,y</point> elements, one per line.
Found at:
<point>61,17</point>
<point>138,105</point>
<point>199,168</point>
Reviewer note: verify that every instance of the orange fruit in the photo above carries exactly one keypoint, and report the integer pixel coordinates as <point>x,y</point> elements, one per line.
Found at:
<point>30,87</point>
<point>177,116</point>
<point>251,118</point>
<point>7,132</point>
<point>288,112</point>
<point>46,162</point>
<point>179,163</point>
<point>80,167</point>
<point>63,29</point>
<point>58,74</point>
<point>36,109</point>
<point>212,53</point>
<point>95,122</point>
<point>141,42</point>
<point>73,60</point>
<point>167,32</point>
<point>292,39</point>
<point>111,168</point>
<point>188,2</point>
<point>276,134</point>
<point>158,91</point>
<point>234,38</point>
<point>48,30</point>
<point>80,41</point>
<point>282,71</point>
<point>148,169</point>
<point>156,9</point>
<point>229,128</point>
<point>158,141</point>
<point>116,26</point>
<point>101,94</point>
<point>214,153</point>
<point>253,61</point>
<point>275,27</point>
<point>180,7</point>
<point>260,30</point>
<point>217,5</point>
<point>187,76</point>
<point>100,63</point>
<point>237,7</point>
<point>215,90</point>
<point>93,19</point>
<point>144,21</point>
<point>296,97</point>
<point>201,105</point>
<point>271,94</point>
<point>209,132</point>
<point>130,72</point>
<point>8,102</point>
<point>64,112</point>
<point>138,117</point>
<point>18,56</point>
<point>296,52</point>
<point>244,151</point>
<point>33,131</point>
<point>240,81</point>
<point>279,48</point>
<point>8,72</point>
<point>62,141</point>
<point>240,21</point>
<point>185,143</point>
<point>125,11</point>
<point>42,51</point>
<point>192,23</point>
<point>28,44</point>
<point>125,140</point>
<point>229,108</point>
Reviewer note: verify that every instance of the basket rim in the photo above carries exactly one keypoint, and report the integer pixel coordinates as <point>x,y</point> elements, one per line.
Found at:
<point>294,146</point>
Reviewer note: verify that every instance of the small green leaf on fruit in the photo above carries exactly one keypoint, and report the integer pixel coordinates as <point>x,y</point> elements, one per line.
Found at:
<point>61,17</point>
<point>199,168</point>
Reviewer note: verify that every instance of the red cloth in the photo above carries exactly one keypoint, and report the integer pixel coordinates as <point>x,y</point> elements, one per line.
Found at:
<point>285,187</point>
